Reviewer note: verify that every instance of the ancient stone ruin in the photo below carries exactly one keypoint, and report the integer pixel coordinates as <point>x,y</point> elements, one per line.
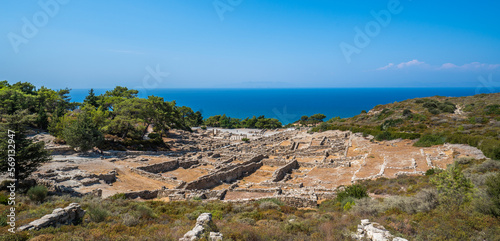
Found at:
<point>295,167</point>
<point>60,216</point>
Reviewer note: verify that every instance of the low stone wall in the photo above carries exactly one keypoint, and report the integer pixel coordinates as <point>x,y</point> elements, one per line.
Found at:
<point>280,173</point>
<point>214,179</point>
<point>299,202</point>
<point>188,164</point>
<point>157,177</point>
<point>182,194</point>
<point>145,194</point>
<point>281,184</point>
<point>274,162</point>
<point>261,190</point>
<point>160,167</point>
<point>70,214</point>
<point>294,201</point>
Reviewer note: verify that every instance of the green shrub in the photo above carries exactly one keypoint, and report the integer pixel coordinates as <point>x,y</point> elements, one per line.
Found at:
<point>428,140</point>
<point>130,219</point>
<point>118,196</point>
<point>4,199</point>
<point>432,171</point>
<point>492,109</point>
<point>145,211</point>
<point>354,191</point>
<point>97,213</point>
<point>273,200</point>
<point>493,191</point>
<point>154,135</point>
<point>268,205</point>
<point>384,136</point>
<point>245,139</point>
<point>37,193</point>
<point>434,111</point>
<point>454,188</point>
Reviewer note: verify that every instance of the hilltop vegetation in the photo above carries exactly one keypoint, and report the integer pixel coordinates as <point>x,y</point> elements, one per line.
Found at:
<point>117,119</point>
<point>472,120</point>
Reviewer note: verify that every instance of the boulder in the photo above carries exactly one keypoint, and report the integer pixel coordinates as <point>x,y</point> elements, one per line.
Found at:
<point>70,214</point>
<point>375,232</point>
<point>204,228</point>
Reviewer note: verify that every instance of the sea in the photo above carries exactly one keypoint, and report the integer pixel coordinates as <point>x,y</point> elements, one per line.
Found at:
<point>288,105</point>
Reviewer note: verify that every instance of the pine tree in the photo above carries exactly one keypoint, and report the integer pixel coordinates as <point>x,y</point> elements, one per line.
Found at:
<point>82,133</point>
<point>28,155</point>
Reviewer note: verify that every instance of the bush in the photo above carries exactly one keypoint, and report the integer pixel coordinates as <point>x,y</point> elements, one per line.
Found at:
<point>432,171</point>
<point>268,205</point>
<point>428,140</point>
<point>245,140</point>
<point>37,193</point>
<point>249,221</point>
<point>130,219</point>
<point>354,191</point>
<point>454,188</point>
<point>384,136</point>
<point>434,111</point>
<point>145,211</point>
<point>407,113</point>
<point>493,191</point>
<point>118,196</point>
<point>4,199</point>
<point>97,213</point>
<point>154,135</point>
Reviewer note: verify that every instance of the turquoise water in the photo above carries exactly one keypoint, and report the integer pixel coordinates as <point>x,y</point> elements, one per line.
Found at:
<point>288,105</point>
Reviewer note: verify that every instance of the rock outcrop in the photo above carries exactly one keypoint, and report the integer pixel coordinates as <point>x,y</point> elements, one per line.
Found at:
<point>70,214</point>
<point>374,232</point>
<point>204,228</point>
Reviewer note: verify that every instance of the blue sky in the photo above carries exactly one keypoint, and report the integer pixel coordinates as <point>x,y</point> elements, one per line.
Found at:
<point>250,43</point>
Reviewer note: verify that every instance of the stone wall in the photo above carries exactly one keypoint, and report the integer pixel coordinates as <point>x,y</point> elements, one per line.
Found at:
<point>274,162</point>
<point>280,173</point>
<point>145,194</point>
<point>281,184</point>
<point>160,167</point>
<point>214,179</point>
<point>157,177</point>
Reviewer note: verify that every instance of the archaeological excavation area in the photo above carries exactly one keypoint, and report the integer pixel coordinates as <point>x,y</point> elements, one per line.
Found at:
<point>293,166</point>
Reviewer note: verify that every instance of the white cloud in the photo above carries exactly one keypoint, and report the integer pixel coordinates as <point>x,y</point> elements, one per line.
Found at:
<point>409,63</point>
<point>446,66</point>
<point>386,67</point>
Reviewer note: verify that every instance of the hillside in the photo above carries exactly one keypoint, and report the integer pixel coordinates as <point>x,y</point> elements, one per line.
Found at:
<point>472,120</point>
